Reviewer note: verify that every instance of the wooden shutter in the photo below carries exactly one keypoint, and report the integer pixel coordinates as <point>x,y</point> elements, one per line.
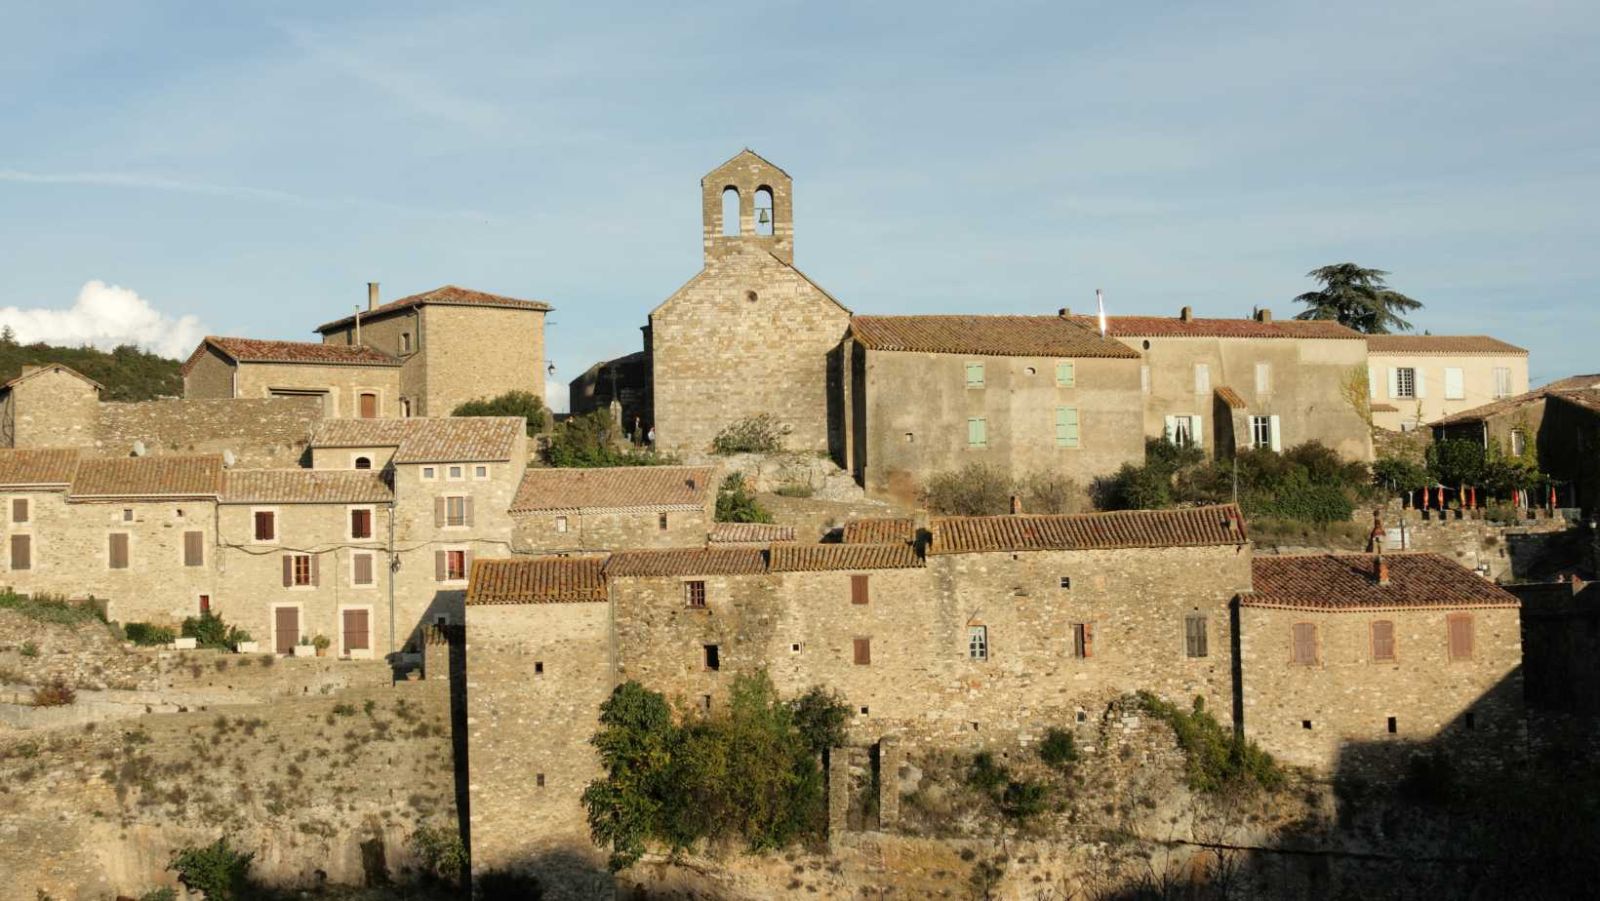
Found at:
<point>438,512</point>
<point>974,375</point>
<point>369,406</point>
<point>1202,378</point>
<point>1460,629</point>
<point>356,631</point>
<point>1196,431</point>
<point>1088,640</point>
<point>1305,643</point>
<point>119,550</point>
<point>441,565</point>
<point>1276,436</point>
<point>22,552</point>
<point>466,511</point>
<point>858,589</point>
<point>466,564</point>
<point>1172,429</point>
<point>19,509</point>
<point>1394,383</point>
<point>863,647</point>
<point>361,568</point>
<point>316,569</point>
<point>1066,375</point>
<point>288,570</point>
<point>1263,378</point>
<point>266,526</point>
<point>1066,426</point>
<point>194,549</point>
<point>977,432</point>
<point>1383,640</point>
<point>286,625</point>
<point>1454,384</point>
<point>1420,382</point>
<point>360,523</point>
<point>1194,629</point>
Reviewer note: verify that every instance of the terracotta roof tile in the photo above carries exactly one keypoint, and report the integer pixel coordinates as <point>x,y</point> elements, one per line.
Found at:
<point>437,440</point>
<point>1005,336</point>
<point>647,488</point>
<point>762,533</point>
<point>1589,400</point>
<point>1230,397</point>
<point>1174,327</point>
<point>829,557</point>
<point>537,580</point>
<point>170,476</point>
<point>37,466</point>
<point>1384,408</point>
<point>1347,582</point>
<point>1192,527</point>
<point>304,486</point>
<point>880,531</point>
<point>716,561</point>
<point>255,350</point>
<point>1454,345</point>
<point>1507,404</point>
<point>449,295</point>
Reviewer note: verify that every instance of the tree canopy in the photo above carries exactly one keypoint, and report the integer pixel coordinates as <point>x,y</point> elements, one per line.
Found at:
<point>526,404</point>
<point>1357,297</point>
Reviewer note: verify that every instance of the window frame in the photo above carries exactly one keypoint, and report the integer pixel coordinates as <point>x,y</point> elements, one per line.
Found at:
<point>1519,442</point>
<point>1191,649</point>
<point>1260,424</point>
<point>1372,641</point>
<point>127,550</point>
<point>977,642</point>
<point>480,472</point>
<point>1405,380</point>
<point>1502,382</point>
<point>1294,644</point>
<point>562,524</point>
<point>695,595</point>
<point>462,500</point>
<point>363,586</point>
<point>377,402</point>
<point>428,473</point>
<point>372,522</point>
<point>255,530</point>
<point>455,472</point>
<point>449,555</point>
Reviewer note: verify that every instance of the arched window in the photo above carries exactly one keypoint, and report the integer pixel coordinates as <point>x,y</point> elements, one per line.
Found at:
<point>765,212</point>
<point>363,463</point>
<point>730,211</point>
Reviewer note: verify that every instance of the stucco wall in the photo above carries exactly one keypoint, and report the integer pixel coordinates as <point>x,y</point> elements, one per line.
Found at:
<point>1477,377</point>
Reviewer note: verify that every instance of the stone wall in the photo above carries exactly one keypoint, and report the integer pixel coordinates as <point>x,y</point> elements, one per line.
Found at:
<point>478,352</point>
<point>52,409</point>
<point>343,385</point>
<point>261,432</point>
<point>548,532</point>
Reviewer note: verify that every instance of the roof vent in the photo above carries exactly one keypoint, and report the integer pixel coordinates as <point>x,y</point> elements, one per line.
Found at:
<point>1263,315</point>
<point>1064,312</point>
<point>138,449</point>
<point>228,459</point>
<point>1186,314</point>
<point>690,483</point>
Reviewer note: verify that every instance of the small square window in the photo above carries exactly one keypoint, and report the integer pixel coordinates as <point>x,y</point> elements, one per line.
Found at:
<point>1066,581</point>
<point>713,656</point>
<point>127,514</point>
<point>538,780</point>
<point>455,473</point>
<point>561,524</point>
<point>480,472</point>
<point>863,711</point>
<point>429,473</point>
<point>1305,724</point>
<point>538,667</point>
<point>1393,725</point>
<point>794,648</point>
<point>694,594</point>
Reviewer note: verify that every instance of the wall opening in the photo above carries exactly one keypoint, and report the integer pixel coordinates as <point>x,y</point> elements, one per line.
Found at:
<point>766,214</point>
<point>730,212</point>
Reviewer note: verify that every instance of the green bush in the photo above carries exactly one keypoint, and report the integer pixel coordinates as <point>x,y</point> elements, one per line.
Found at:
<point>1058,749</point>
<point>821,716</point>
<point>1217,759</point>
<point>591,440</point>
<point>794,489</point>
<point>1456,461</point>
<point>217,870</point>
<point>439,852</point>
<point>1016,799</point>
<point>29,649</point>
<point>209,631</point>
<point>127,372</point>
<point>735,503</point>
<point>973,490</point>
<point>46,608</point>
<point>160,894</point>
<point>526,404</point>
<point>147,635</point>
<point>751,435</point>
<point>1399,475</point>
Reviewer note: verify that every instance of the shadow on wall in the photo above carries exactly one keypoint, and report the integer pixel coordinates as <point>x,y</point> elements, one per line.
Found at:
<point>555,875</point>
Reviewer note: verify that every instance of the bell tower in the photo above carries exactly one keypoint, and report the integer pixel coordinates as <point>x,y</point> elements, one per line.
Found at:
<point>745,203</point>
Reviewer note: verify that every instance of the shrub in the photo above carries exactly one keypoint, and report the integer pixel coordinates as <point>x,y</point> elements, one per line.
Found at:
<point>160,894</point>
<point>735,503</point>
<point>751,435</point>
<point>147,635</point>
<point>1399,475</point>
<point>217,870</point>
<point>973,490</point>
<point>28,649</point>
<point>1503,513</point>
<point>820,715</point>
<point>592,440</point>
<point>54,693</point>
<point>1050,492</point>
<point>1016,799</point>
<point>1216,758</point>
<point>794,489</point>
<point>46,608</point>
<point>512,403</point>
<point>209,631</point>
<point>1456,461</point>
<point>439,852</point>
<point>1058,749</point>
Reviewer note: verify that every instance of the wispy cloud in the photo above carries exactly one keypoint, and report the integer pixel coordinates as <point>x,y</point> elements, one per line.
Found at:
<point>106,316</point>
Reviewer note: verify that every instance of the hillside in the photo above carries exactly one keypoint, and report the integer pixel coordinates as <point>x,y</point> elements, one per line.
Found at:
<point>127,372</point>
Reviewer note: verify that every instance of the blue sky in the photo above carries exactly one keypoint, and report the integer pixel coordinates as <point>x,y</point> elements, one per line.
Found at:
<point>253,165</point>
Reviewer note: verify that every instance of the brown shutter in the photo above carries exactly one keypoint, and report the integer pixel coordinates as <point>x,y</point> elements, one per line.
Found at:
<point>119,550</point>
<point>316,569</point>
<point>1305,643</point>
<point>19,509</point>
<point>438,512</point>
<point>466,564</point>
<point>1383,640</point>
<point>466,511</point>
<point>1088,640</point>
<point>356,630</point>
<point>194,549</point>
<point>362,574</point>
<point>22,552</point>
<point>288,570</point>
<point>441,565</point>
<point>1460,630</point>
<point>286,622</point>
<point>863,651</point>
<point>266,525</point>
<point>369,406</point>
<point>858,589</point>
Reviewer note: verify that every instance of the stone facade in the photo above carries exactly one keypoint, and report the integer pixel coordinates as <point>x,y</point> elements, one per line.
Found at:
<point>49,406</point>
<point>258,432</point>
<point>212,374</point>
<point>1426,377</point>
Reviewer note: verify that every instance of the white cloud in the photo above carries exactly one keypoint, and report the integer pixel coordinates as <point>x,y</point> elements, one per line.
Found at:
<point>106,316</point>
<point>556,395</point>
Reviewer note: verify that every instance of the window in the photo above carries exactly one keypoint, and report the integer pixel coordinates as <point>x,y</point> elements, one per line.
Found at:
<point>974,375</point>
<point>1502,381</point>
<point>858,589</point>
<point>118,550</point>
<point>1066,426</point>
<point>713,657</point>
<point>127,514</point>
<point>1264,432</point>
<point>1393,725</point>
<point>299,570</point>
<point>730,212</point>
<point>405,407</point>
<point>367,402</point>
<point>1066,375</point>
<point>863,649</point>
<point>561,524</point>
<point>1202,378</point>
<point>22,552</point>
<point>453,511</point>
<point>429,473</point>
<point>977,432</point>
<point>1305,644</point>
<point>194,549</point>
<point>1459,626</point>
<point>355,628</point>
<point>1519,442</point>
<point>361,568</point>
<point>205,604</point>
<point>978,642</point>
<point>763,211</point>
<point>538,667</point>
<point>1066,581</point>
<point>480,472</point>
<point>661,522</point>
<point>1183,431</point>
<point>19,510</point>
<point>538,780</point>
<point>450,566</point>
<point>1083,640</point>
<point>266,525</point>
<point>1194,635</point>
<point>1263,378</point>
<point>694,594</point>
<point>1405,382</point>
<point>405,342</point>
<point>1382,641</point>
<point>363,463</point>
<point>1305,724</point>
<point>1454,385</point>
<point>361,522</point>
<point>455,473</point>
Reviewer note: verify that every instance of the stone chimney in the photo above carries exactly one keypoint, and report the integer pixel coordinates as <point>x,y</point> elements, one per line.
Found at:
<point>1376,536</point>
<point>1064,312</point>
<point>1186,314</point>
<point>372,296</point>
<point>1016,505</point>
<point>1263,315</point>
<point>1380,568</point>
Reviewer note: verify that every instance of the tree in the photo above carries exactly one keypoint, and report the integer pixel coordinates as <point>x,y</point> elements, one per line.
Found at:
<point>1357,297</point>
<point>217,871</point>
<point>512,403</point>
<point>592,440</point>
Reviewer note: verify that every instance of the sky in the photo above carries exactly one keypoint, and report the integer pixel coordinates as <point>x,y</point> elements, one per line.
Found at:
<point>169,170</point>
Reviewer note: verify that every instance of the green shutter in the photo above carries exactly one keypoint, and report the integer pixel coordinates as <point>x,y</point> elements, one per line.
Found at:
<point>977,433</point>
<point>1066,375</point>
<point>1066,426</point>
<point>974,375</point>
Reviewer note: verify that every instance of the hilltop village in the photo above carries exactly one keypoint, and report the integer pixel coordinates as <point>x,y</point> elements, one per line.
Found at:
<point>321,495</point>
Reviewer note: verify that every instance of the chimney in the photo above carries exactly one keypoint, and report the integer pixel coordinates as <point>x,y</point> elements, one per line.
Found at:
<point>1016,505</point>
<point>1382,569</point>
<point>1376,536</point>
<point>1064,312</point>
<point>1263,315</point>
<point>1186,314</point>
<point>372,296</point>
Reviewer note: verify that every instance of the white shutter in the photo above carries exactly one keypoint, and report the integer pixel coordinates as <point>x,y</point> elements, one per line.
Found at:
<point>1202,378</point>
<point>1194,427</point>
<point>1172,429</point>
<point>1276,436</point>
<point>1372,383</point>
<point>1422,383</point>
<point>1454,387</point>
<point>1394,383</point>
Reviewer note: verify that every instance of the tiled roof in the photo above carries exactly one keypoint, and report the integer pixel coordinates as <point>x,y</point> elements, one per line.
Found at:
<point>762,533</point>
<point>828,557</point>
<point>537,580</point>
<point>304,486</point>
<point>174,476</point>
<point>717,561</point>
<point>879,531</point>
<point>1440,344</point>
<point>255,350</point>
<point>37,466</point>
<point>421,440</point>
<point>449,295</point>
<point>51,367</point>
<point>1507,404</point>
<point>1175,327</point>
<point>1230,397</point>
<point>647,488</point>
<point>1589,400</point>
<point>1004,336</point>
<point>1191,527</point>
<point>1385,408</point>
<point>1347,582</point>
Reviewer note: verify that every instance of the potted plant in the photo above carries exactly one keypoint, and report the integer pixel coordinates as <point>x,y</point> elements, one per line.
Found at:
<point>322,643</point>
<point>305,648</point>
<point>246,646</point>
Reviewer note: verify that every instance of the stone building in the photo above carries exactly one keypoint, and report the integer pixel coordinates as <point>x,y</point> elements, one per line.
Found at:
<point>1558,424</point>
<point>750,334</point>
<point>1417,379</point>
<point>1024,394</point>
<point>1352,662</point>
<point>349,381</point>
<point>49,406</point>
<point>564,511</point>
<point>625,380</point>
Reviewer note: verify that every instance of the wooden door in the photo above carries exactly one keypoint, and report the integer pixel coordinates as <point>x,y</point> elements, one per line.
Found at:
<point>286,622</point>
<point>369,406</point>
<point>357,632</point>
